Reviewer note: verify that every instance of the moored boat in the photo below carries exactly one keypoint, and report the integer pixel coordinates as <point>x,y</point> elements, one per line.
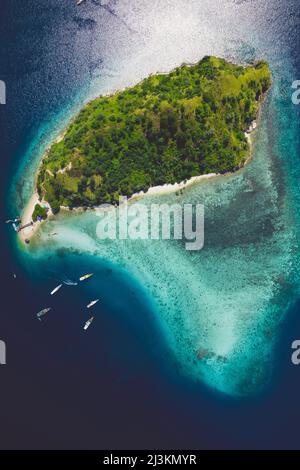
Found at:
<point>88,323</point>
<point>42,313</point>
<point>86,276</point>
<point>93,302</point>
<point>56,289</point>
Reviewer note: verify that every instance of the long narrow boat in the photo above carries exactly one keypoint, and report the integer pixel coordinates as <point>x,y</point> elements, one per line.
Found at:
<point>93,302</point>
<point>56,289</point>
<point>88,323</point>
<point>17,220</point>
<point>86,276</point>
<point>42,313</point>
<point>68,282</point>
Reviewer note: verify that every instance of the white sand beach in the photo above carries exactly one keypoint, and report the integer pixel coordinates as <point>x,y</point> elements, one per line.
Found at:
<point>169,188</point>
<point>28,232</point>
<point>26,218</point>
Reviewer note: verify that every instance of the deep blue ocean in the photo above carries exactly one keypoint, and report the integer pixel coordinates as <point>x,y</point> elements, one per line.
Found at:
<point>117,387</point>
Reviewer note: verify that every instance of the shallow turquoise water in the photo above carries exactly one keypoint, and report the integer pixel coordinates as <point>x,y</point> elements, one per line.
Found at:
<point>231,297</point>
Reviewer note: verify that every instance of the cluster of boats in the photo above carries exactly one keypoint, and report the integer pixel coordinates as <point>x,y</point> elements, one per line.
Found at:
<point>15,223</point>
<point>87,324</point>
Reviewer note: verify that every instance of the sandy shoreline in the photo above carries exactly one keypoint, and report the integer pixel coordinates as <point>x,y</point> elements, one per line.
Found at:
<point>153,191</point>
<point>28,232</point>
<point>170,188</point>
<point>26,218</point>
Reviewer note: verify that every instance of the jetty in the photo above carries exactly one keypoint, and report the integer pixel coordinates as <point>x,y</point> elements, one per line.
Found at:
<point>21,227</point>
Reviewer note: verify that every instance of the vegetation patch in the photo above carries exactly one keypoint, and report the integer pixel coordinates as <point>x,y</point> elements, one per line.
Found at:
<point>39,213</point>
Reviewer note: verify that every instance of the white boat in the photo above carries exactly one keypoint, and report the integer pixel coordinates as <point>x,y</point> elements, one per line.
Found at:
<point>17,220</point>
<point>79,2</point>
<point>68,282</point>
<point>42,313</point>
<point>88,323</point>
<point>86,276</point>
<point>93,302</point>
<point>56,289</point>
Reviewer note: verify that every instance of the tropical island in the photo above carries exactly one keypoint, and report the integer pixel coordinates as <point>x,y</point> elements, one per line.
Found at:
<point>166,129</point>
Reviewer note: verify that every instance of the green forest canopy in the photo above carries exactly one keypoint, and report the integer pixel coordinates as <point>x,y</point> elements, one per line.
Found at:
<point>39,211</point>
<point>166,129</point>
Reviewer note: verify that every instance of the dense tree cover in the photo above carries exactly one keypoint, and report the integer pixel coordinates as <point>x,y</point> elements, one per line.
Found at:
<point>39,211</point>
<point>166,129</point>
